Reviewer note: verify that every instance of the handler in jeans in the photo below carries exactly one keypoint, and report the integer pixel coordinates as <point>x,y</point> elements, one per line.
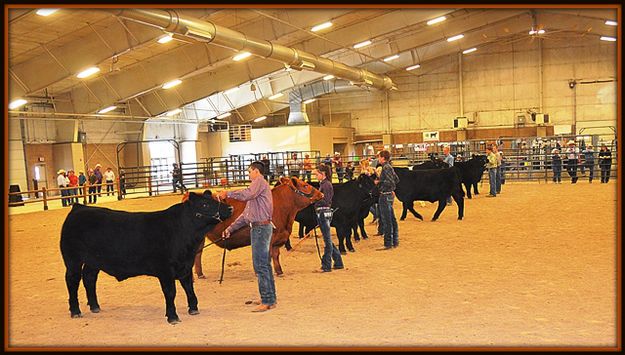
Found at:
<point>257,213</point>
<point>492,171</point>
<point>386,184</point>
<point>324,217</point>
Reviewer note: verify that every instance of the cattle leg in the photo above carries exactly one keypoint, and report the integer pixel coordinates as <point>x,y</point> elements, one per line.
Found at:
<point>361,224</point>
<point>187,284</point>
<point>404,211</point>
<point>355,229</point>
<point>468,188</point>
<point>412,210</point>
<point>275,255</point>
<point>460,202</point>
<point>348,240</point>
<point>72,280</point>
<point>340,233</point>
<point>300,232</point>
<point>169,291</point>
<point>475,189</point>
<point>287,244</point>
<point>89,278</point>
<point>441,206</point>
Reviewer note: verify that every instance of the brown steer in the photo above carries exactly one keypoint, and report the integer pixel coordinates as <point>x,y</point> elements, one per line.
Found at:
<point>289,197</point>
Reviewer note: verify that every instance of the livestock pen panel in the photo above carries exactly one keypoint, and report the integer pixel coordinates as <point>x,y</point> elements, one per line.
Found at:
<point>534,267</point>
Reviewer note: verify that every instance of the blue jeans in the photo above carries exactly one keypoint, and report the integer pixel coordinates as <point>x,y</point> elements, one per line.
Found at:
<point>492,180</point>
<point>498,186</point>
<point>389,222</point>
<point>261,258</point>
<point>330,252</point>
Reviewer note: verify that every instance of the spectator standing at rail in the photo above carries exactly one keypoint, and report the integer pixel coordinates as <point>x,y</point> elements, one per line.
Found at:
<point>266,170</point>
<point>556,166</point>
<point>82,179</point>
<point>449,159</point>
<point>328,161</point>
<point>93,180</point>
<point>73,182</point>
<point>109,178</point>
<point>258,214</point>
<point>176,175</point>
<point>386,184</point>
<point>349,171</point>
<point>605,163</point>
<point>294,165</point>
<point>323,210</point>
<point>589,161</point>
<point>308,167</point>
<point>60,181</point>
<point>338,165</point>
<point>572,155</point>
<point>122,183</point>
<point>98,175</point>
<point>492,171</point>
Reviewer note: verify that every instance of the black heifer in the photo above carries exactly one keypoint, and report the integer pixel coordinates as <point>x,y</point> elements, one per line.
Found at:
<point>472,171</point>
<point>127,244</point>
<point>431,164</point>
<point>349,201</point>
<point>429,185</point>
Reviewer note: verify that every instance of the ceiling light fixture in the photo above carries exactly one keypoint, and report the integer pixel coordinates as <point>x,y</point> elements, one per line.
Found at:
<point>362,44</point>
<point>241,56</point>
<point>173,112</point>
<point>88,72</point>
<point>609,39</point>
<point>322,26</point>
<point>166,38</point>
<point>261,118</point>
<point>224,115</point>
<point>414,67</point>
<point>17,103</point>
<point>436,20</point>
<point>46,12</point>
<point>171,84</point>
<point>308,101</point>
<point>278,95</point>
<point>393,57</point>
<point>451,39</point>
<point>611,23</point>
<point>467,51</point>
<point>328,77</point>
<point>108,109</point>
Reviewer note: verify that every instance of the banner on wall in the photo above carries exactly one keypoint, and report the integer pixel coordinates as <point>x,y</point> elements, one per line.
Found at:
<point>421,147</point>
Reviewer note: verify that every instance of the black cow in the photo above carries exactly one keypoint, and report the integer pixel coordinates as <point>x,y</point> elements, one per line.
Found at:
<point>123,244</point>
<point>349,201</point>
<point>472,171</point>
<point>431,164</point>
<point>429,185</point>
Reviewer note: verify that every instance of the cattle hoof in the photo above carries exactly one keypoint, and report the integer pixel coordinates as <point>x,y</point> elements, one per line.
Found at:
<point>95,309</point>
<point>352,250</point>
<point>173,321</point>
<point>460,218</point>
<point>343,253</point>
<point>420,218</point>
<point>401,219</point>
<point>194,312</point>
<point>77,315</point>
<point>365,237</point>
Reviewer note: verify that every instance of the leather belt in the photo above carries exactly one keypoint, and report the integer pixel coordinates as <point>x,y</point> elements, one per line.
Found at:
<point>261,223</point>
<point>386,193</point>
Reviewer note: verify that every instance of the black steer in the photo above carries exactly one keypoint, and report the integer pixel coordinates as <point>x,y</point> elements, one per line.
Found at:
<point>123,244</point>
<point>471,172</point>
<point>429,185</point>
<point>431,164</point>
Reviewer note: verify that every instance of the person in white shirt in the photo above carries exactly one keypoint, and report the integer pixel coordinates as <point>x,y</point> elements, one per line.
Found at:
<point>109,177</point>
<point>572,156</point>
<point>63,182</point>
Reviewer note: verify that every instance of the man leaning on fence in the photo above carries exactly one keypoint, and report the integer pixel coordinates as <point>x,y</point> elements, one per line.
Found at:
<point>93,180</point>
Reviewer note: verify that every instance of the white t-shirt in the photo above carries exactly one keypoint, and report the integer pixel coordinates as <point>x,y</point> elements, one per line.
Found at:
<point>109,175</point>
<point>60,180</point>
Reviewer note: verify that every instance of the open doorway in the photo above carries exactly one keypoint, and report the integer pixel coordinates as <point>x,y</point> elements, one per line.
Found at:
<point>340,148</point>
<point>162,158</point>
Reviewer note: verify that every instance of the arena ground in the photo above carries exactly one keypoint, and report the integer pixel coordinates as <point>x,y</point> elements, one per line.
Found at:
<point>534,267</point>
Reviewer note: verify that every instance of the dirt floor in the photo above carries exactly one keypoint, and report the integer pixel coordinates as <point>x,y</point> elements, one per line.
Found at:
<point>534,267</point>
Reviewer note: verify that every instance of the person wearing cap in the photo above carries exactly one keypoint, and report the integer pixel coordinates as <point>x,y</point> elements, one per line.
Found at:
<point>572,156</point>
<point>589,161</point>
<point>98,174</point>
<point>556,165</point>
<point>267,171</point>
<point>93,189</point>
<point>499,156</point>
<point>492,171</point>
<point>323,210</point>
<point>387,183</point>
<point>338,165</point>
<point>62,183</point>
<point>258,214</point>
<point>308,167</point>
<point>605,163</point>
<point>122,183</point>
<point>294,165</point>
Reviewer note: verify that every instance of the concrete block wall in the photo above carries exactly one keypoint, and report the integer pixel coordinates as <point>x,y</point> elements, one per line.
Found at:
<point>497,82</point>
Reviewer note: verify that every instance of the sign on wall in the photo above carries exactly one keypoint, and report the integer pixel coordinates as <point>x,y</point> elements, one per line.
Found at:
<point>430,136</point>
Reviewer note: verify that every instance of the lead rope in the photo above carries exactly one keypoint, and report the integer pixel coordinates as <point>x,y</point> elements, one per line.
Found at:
<point>223,261</point>
<point>317,242</point>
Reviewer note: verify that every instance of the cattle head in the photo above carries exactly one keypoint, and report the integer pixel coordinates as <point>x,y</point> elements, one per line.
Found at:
<point>206,209</point>
<point>481,159</point>
<point>302,188</point>
<point>367,184</point>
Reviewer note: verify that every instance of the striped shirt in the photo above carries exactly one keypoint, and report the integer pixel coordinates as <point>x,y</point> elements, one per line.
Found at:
<point>388,178</point>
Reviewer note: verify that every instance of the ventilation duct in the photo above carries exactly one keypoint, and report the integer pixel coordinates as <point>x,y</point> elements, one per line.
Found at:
<point>205,31</point>
<point>298,95</point>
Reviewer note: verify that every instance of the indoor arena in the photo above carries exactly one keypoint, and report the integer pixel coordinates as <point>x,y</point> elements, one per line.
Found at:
<point>312,178</point>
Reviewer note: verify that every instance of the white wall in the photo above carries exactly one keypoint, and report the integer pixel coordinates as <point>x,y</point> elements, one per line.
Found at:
<point>17,164</point>
<point>275,139</point>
